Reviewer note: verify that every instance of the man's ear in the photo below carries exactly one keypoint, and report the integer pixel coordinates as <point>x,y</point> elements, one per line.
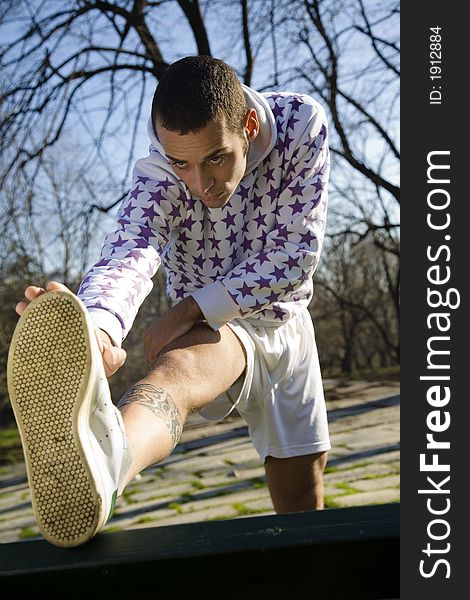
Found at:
<point>251,124</point>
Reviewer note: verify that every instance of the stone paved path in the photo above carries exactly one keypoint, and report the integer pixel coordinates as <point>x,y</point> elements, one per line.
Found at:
<point>215,472</point>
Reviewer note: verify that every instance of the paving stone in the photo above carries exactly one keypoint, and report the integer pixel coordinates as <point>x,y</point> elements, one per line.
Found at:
<point>121,521</point>
<point>210,512</point>
<point>331,490</point>
<point>222,506</point>
<point>265,504</point>
<point>12,472</point>
<point>153,492</point>
<point>375,439</point>
<point>19,523</point>
<point>236,473</point>
<point>241,454</point>
<point>364,422</point>
<point>8,536</point>
<point>364,498</point>
<point>214,513</point>
<point>225,499</point>
<point>360,472</point>
<point>225,468</point>
<point>195,427</point>
<point>190,464</point>
<point>367,485</point>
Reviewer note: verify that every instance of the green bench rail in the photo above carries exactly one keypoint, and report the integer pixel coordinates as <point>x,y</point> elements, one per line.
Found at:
<point>338,553</point>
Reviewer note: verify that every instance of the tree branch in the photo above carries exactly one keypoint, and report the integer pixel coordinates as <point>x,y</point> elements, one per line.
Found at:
<point>247,44</point>
<point>193,14</point>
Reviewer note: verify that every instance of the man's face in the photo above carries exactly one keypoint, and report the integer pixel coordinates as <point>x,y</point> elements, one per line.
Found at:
<point>212,161</point>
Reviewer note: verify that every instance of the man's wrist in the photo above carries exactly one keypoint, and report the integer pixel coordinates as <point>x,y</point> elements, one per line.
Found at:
<point>194,312</point>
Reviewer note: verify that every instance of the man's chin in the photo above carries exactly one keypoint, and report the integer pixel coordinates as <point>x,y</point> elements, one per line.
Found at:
<point>218,202</point>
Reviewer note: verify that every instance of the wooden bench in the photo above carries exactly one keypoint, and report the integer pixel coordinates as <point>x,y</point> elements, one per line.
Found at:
<point>338,553</point>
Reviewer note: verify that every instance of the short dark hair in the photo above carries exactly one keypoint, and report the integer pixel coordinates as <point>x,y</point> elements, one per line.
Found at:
<point>196,90</point>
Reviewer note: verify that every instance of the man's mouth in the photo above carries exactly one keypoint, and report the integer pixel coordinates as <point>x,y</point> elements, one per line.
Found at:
<point>212,197</point>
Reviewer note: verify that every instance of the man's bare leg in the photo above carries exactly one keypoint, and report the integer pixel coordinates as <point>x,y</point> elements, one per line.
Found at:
<point>188,374</point>
<point>296,483</point>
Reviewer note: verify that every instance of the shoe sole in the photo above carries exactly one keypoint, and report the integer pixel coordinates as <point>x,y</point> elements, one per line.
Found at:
<point>49,383</point>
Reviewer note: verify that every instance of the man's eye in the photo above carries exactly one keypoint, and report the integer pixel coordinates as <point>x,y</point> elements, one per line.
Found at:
<point>217,160</point>
<point>179,165</point>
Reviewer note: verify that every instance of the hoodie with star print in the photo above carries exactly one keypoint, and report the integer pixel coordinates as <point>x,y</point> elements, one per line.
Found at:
<point>253,259</point>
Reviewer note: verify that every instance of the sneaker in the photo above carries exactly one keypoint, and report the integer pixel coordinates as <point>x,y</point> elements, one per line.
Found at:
<point>73,436</point>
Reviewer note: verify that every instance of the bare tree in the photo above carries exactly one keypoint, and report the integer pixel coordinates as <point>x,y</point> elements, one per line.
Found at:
<point>72,58</point>
<point>355,321</point>
<point>352,64</point>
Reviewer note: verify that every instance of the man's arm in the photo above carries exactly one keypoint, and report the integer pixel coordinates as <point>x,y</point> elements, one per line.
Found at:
<point>115,287</point>
<point>177,321</point>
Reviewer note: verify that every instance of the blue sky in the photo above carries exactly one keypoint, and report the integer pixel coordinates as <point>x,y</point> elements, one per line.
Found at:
<point>113,176</point>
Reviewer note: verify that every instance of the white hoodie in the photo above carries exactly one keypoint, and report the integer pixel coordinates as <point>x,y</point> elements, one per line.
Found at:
<point>252,259</point>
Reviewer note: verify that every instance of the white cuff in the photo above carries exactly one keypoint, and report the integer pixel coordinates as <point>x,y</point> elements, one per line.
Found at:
<point>216,304</point>
<point>106,321</point>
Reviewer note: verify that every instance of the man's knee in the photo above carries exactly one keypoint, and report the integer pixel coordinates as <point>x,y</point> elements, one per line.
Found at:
<point>203,362</point>
<point>176,368</point>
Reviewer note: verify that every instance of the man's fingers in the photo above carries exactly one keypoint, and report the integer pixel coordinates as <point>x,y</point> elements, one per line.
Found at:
<point>32,292</point>
<point>20,307</point>
<point>113,358</point>
<point>56,286</point>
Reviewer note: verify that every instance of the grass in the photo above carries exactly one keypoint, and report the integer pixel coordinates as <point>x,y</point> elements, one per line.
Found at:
<point>176,506</point>
<point>330,502</point>
<point>331,470</point>
<point>28,532</point>
<point>111,528</point>
<point>187,497</point>
<point>6,495</point>
<point>145,519</point>
<point>347,489</point>
<point>348,467</point>
<point>242,509</point>
<point>198,485</point>
<point>379,475</point>
<point>129,492</point>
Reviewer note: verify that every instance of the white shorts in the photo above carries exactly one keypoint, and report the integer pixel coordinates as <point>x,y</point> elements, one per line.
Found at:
<point>280,394</point>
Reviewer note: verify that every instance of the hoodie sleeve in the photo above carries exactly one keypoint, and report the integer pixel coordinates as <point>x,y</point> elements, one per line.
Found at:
<point>281,274</point>
<point>115,287</point>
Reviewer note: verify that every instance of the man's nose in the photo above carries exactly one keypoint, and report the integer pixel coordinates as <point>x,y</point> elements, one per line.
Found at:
<point>203,181</point>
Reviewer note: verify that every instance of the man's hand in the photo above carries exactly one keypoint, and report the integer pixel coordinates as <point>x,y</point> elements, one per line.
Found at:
<point>113,358</point>
<point>171,326</point>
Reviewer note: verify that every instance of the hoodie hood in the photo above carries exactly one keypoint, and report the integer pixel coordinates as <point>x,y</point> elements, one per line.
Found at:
<point>259,148</point>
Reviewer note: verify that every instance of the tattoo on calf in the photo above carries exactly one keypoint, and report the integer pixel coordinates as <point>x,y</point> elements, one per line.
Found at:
<point>158,401</point>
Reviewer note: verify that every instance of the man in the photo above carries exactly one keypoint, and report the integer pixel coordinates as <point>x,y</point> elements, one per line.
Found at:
<point>232,199</point>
